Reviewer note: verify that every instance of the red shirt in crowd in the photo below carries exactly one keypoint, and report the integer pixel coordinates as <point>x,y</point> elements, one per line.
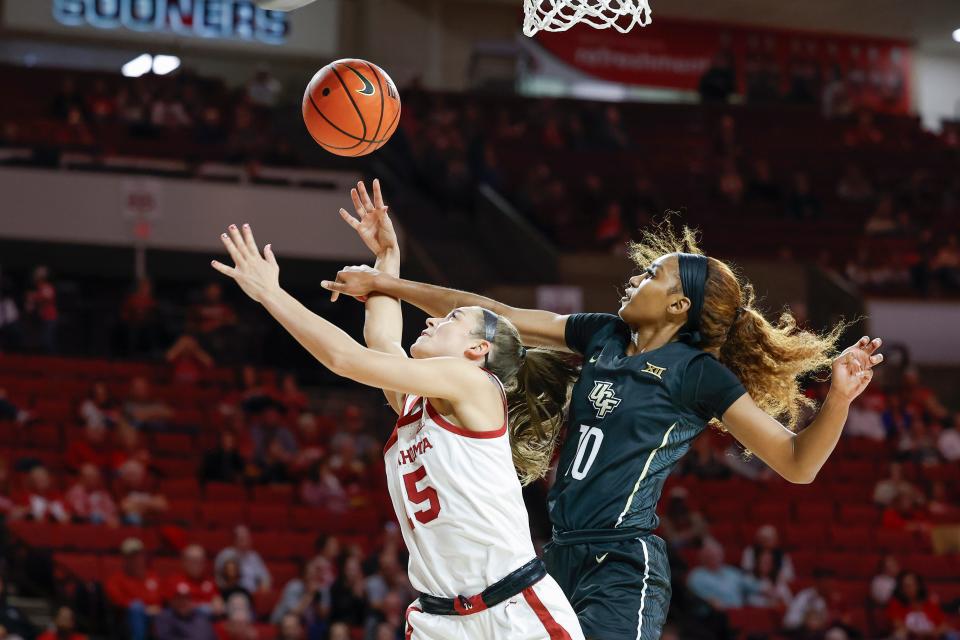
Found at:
<point>43,301</point>
<point>921,618</point>
<point>81,452</point>
<point>123,589</point>
<point>53,635</point>
<point>202,591</point>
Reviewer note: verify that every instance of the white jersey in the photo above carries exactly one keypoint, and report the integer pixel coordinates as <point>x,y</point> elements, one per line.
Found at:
<point>458,500</point>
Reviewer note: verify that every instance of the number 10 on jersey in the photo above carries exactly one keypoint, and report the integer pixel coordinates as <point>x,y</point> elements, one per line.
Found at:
<point>587,448</point>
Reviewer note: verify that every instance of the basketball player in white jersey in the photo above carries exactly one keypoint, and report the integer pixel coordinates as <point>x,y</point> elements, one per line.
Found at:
<point>476,409</point>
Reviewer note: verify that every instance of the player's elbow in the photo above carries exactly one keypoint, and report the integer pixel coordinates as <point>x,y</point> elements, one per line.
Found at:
<point>800,476</point>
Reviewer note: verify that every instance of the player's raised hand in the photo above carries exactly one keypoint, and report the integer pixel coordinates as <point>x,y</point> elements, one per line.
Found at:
<point>257,275</point>
<point>372,223</point>
<point>853,369</point>
<point>358,282</point>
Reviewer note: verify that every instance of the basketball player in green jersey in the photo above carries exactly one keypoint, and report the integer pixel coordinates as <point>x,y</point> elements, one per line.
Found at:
<point>686,347</point>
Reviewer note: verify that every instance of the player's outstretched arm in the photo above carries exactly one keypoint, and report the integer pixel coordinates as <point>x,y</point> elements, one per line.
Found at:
<point>798,457</point>
<point>383,321</point>
<point>452,379</point>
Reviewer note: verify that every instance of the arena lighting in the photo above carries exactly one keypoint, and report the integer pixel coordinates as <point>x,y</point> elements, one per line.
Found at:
<point>162,65</point>
<point>956,35</point>
<point>138,66</point>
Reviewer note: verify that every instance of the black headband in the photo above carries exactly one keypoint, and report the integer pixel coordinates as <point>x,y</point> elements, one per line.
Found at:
<point>489,332</point>
<point>693,279</point>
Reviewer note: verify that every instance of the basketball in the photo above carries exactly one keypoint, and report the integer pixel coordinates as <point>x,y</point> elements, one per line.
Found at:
<point>351,107</point>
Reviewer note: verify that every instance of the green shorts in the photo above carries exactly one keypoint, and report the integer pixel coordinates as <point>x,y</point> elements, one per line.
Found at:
<point>620,589</point>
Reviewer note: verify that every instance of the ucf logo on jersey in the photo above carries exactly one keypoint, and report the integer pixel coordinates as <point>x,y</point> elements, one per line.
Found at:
<point>603,398</point>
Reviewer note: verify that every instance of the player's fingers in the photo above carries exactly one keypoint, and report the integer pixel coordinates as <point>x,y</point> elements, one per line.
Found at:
<point>334,296</point>
<point>249,240</point>
<point>237,240</point>
<point>349,219</point>
<point>363,195</point>
<point>235,254</point>
<point>872,345</point>
<point>876,359</point>
<point>330,285</point>
<point>224,269</point>
<point>268,254</point>
<point>377,196</point>
<point>357,204</point>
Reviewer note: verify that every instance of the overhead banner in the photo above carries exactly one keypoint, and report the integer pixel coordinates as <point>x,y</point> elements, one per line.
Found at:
<point>675,54</point>
<point>229,24</point>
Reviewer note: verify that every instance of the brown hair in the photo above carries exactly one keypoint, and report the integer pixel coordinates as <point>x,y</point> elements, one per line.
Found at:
<point>537,383</point>
<point>769,359</point>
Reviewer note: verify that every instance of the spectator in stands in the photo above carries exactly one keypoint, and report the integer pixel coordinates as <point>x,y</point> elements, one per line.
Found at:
<point>895,484</point>
<point>609,232</point>
<point>135,589</point>
<point>309,596</point>
<point>88,501</point>
<point>41,309</point>
<point>224,464</point>
<point>864,133</point>
<point>719,81</point>
<point>801,203</point>
<point>882,221</point>
<point>339,631</point>
<point>854,185</point>
<point>809,613</point>
<point>948,442</point>
<point>884,583</point>
<point>213,320</point>
<point>835,98</point>
<point>897,420</point>
<point>940,503</point>
<point>229,582</point>
<point>864,419</point>
<point>946,264</point>
<point>167,112</point>
<point>682,526</point>
<point>905,513</point>
<point>94,448</point>
<point>182,620</point>
<point>386,619</point>
<point>275,467</point>
<point>11,337</point>
<point>238,621</point>
<point>138,505</point>
<point>774,590</point>
<point>761,187</point>
<point>140,319</point>
<point>195,584</point>
<point>41,501</point>
<point>704,461</point>
<point>64,626</point>
<point>290,628</point>
<point>128,447</point>
<point>267,427</point>
<point>13,621</point>
<point>348,594</point>
<point>12,411</point>
<point>767,543</point>
<point>311,442</point>
<point>263,89</point>
<point>291,396</point>
<point>143,409</point>
<point>100,408</point>
<point>100,104</point>
<point>720,585</point>
<point>913,613</point>
<point>254,575</point>
<point>730,185</point>
<point>322,488</point>
<point>188,360</point>
<point>610,134</point>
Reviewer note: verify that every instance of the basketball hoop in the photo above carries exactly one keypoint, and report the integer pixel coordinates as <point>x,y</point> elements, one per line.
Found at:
<point>560,15</point>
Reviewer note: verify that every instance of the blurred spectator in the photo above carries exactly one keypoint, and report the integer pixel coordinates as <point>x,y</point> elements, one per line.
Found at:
<point>682,526</point>
<point>137,504</point>
<point>854,186</point>
<point>263,90</point>
<point>882,220</point>
<point>913,612</point>
<point>339,631</point>
<point>804,79</point>
<point>730,184</point>
<point>99,408</point>
<point>719,81</point>
<point>266,428</point>
<point>140,319</point>
<point>41,309</point>
<point>94,448</point>
<point>213,319</point>
<point>168,111</point>
<point>906,514</point>
<point>946,264</point>
<point>291,396</point>
<point>809,612</point>
<point>254,575</point>
<point>767,543</point>
<point>88,501</point>
<point>228,581</point>
<point>835,100</point>
<point>224,464</point>
<point>143,409</point>
<point>884,583</point>
<point>238,621</point>
<point>309,596</point>
<point>11,336</point>
<point>864,133</point>
<point>610,134</point>
<point>801,203</point>
<point>136,589</point>
<point>188,360</point>
<point>182,620</point>
<point>15,624</point>
<point>887,489</point>
<point>609,231</point>
<point>64,627</point>
<point>864,419</point>
<point>774,591</point>
<point>128,447</point>
<point>100,104</point>
<point>761,186</point>
<point>41,501</point>
<point>194,583</point>
<point>10,410</point>
<point>348,594</point>
<point>67,99</point>
<point>275,466</point>
<point>762,78</point>
<point>311,441</point>
<point>897,420</point>
<point>948,443</point>
<point>290,628</point>
<point>720,585</point>
<point>704,462</point>
<point>321,488</point>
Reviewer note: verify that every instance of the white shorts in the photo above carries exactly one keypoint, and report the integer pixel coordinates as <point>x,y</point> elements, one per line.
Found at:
<point>540,612</point>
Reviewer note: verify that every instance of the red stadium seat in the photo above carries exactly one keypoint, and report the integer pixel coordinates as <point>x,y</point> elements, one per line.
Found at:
<point>897,542</point>
<point>814,512</point>
<point>266,516</point>
<point>182,511</point>
<point>851,565</point>
<point>775,513</point>
<point>803,535</point>
<point>166,566</point>
<point>213,540</point>
<point>177,488</point>
<point>82,566</point>
<point>273,494</point>
<point>859,514</point>
<point>265,601</point>
<point>38,534</point>
<point>222,514</point>
<point>852,537</point>
<point>753,620</point>
<point>224,492</point>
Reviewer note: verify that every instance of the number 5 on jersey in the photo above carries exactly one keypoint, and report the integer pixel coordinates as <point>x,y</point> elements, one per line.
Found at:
<point>587,448</point>
<point>418,496</point>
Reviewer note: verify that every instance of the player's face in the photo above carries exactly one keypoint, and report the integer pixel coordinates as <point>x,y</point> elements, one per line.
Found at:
<point>453,335</point>
<point>650,294</point>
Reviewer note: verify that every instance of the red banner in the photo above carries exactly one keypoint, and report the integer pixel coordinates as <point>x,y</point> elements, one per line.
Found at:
<point>675,54</point>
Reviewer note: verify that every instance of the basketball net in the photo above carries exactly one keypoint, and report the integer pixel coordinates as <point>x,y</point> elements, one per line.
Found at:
<point>560,15</point>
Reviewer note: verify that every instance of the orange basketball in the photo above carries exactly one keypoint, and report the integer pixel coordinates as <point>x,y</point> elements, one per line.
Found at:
<point>351,107</point>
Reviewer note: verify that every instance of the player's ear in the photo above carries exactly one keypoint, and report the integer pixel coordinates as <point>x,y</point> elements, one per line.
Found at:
<point>679,305</point>
<point>477,350</point>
